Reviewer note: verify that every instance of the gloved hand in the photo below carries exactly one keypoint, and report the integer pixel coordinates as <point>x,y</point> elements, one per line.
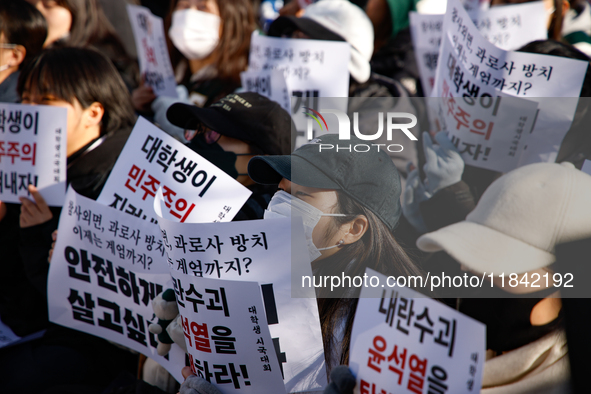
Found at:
<point>166,310</point>
<point>414,194</point>
<point>161,104</point>
<point>342,381</point>
<point>444,165</point>
<point>193,384</point>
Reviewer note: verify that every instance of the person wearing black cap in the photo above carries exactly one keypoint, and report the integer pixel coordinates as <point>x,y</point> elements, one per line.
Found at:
<point>233,130</point>
<point>369,93</point>
<point>354,199</point>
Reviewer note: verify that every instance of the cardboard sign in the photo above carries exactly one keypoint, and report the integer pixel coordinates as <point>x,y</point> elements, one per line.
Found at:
<point>472,67</point>
<point>195,190</point>
<point>227,335</point>
<point>150,41</point>
<point>314,71</point>
<point>403,342</point>
<point>258,250</point>
<point>33,151</point>
<point>268,83</point>
<point>507,27</point>
<point>105,270</point>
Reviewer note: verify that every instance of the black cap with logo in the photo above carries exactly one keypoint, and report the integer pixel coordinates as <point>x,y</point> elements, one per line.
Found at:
<point>370,178</point>
<point>247,116</point>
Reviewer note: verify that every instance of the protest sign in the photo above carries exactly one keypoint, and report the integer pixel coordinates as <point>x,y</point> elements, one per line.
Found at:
<point>150,41</point>
<point>33,152</point>
<point>404,342</point>
<point>507,27</point>
<point>426,32</point>
<point>195,190</point>
<point>268,83</point>
<point>258,250</point>
<point>227,335</point>
<point>480,127</point>
<point>314,71</point>
<point>470,66</point>
<point>105,270</point>
<point>511,27</point>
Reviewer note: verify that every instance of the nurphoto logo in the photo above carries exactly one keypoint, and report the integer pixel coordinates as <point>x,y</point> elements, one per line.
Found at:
<point>344,130</point>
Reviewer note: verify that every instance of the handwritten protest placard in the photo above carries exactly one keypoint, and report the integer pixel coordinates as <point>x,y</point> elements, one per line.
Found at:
<point>314,71</point>
<point>470,66</point>
<point>258,250</point>
<point>268,83</point>
<point>150,41</point>
<point>195,190</point>
<point>105,270</point>
<point>227,334</point>
<point>507,27</point>
<point>405,343</point>
<point>33,152</point>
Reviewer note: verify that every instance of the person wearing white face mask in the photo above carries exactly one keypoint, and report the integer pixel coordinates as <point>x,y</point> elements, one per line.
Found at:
<point>208,42</point>
<point>350,203</point>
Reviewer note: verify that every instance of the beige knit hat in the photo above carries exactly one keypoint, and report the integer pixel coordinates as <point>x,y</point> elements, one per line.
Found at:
<point>519,220</point>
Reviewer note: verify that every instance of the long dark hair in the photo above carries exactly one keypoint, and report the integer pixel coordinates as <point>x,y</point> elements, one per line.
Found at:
<point>231,54</point>
<point>22,24</point>
<point>81,74</point>
<point>91,28</point>
<point>377,249</point>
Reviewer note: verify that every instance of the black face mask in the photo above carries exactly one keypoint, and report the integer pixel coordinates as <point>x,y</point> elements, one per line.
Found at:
<point>225,161</point>
<point>507,320</point>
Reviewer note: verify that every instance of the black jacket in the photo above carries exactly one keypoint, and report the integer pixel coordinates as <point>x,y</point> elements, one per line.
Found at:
<point>23,283</point>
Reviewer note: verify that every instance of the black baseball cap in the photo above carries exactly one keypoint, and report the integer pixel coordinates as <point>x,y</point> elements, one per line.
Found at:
<point>246,116</point>
<point>370,178</point>
<point>286,25</point>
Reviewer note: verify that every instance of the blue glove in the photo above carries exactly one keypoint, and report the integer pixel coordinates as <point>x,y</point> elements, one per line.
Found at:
<point>414,194</point>
<point>196,385</point>
<point>444,165</point>
<point>161,105</point>
<point>342,381</point>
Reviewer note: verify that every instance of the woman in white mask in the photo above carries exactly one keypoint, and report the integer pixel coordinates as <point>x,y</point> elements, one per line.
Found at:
<point>208,42</point>
<point>350,203</point>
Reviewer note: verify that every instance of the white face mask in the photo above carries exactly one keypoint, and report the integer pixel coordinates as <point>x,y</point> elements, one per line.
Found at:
<point>194,33</point>
<point>284,205</point>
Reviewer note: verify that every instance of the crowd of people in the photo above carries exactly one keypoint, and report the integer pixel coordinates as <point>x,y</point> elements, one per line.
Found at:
<point>405,213</point>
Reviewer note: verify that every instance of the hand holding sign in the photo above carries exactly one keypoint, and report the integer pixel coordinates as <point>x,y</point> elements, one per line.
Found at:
<point>34,213</point>
<point>444,165</point>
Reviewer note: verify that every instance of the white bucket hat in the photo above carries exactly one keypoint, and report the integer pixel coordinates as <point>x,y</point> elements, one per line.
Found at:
<point>519,220</point>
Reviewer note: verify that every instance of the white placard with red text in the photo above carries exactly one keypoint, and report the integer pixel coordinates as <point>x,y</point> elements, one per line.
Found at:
<point>507,27</point>
<point>33,151</point>
<point>106,269</point>
<point>261,251</point>
<point>195,190</point>
<point>470,66</point>
<point>403,342</point>
<point>150,42</point>
<point>227,334</point>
